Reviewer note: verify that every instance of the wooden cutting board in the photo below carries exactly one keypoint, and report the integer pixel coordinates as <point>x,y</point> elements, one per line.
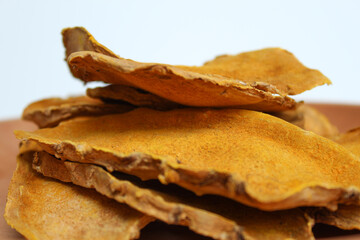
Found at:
<point>345,117</point>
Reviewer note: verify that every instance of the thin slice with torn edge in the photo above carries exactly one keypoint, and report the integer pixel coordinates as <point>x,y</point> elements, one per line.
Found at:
<point>134,96</point>
<point>177,84</point>
<point>271,69</point>
<point>310,119</point>
<point>51,111</point>
<point>212,216</point>
<point>252,157</point>
<point>79,39</point>
<point>41,208</point>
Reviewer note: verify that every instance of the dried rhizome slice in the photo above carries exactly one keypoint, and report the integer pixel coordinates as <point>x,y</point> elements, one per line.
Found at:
<point>43,208</point>
<point>310,119</point>
<point>346,216</point>
<point>251,157</point>
<point>212,216</point>
<point>178,84</point>
<point>79,39</point>
<point>137,97</point>
<point>51,111</point>
<point>249,79</point>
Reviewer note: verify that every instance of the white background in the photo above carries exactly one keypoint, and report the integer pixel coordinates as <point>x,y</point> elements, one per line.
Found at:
<point>324,35</point>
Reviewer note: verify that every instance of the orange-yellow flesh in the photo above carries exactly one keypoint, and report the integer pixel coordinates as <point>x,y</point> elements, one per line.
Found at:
<point>131,95</point>
<point>308,118</point>
<point>270,66</point>
<point>51,111</point>
<point>79,39</point>
<point>212,216</point>
<point>41,208</point>
<point>176,84</point>
<point>261,160</point>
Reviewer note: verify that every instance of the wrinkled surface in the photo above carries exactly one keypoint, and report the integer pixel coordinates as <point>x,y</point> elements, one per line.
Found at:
<point>131,95</point>
<point>310,119</point>
<point>79,39</point>
<point>51,111</point>
<point>177,84</point>
<point>211,216</point>
<point>41,208</point>
<point>248,156</point>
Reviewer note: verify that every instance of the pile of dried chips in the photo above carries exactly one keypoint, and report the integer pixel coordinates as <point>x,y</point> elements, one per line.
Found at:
<point>219,148</point>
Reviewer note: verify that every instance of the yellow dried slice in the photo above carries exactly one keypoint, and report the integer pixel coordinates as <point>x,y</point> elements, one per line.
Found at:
<point>134,96</point>
<point>252,157</point>
<point>310,119</point>
<point>211,216</point>
<point>51,111</point>
<point>178,84</point>
<point>79,39</point>
<point>41,208</point>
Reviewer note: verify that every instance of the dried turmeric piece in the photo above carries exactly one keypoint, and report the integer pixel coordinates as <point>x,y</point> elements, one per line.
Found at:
<point>252,157</point>
<point>41,208</point>
<point>210,216</point>
<point>177,84</point>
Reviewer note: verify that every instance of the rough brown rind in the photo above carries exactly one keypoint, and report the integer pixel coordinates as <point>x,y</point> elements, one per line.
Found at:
<point>211,216</point>
<point>42,208</point>
<point>51,111</point>
<point>131,95</point>
<point>175,84</point>
<point>213,152</point>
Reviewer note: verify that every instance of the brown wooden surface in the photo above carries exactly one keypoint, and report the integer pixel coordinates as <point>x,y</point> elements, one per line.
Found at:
<point>344,116</point>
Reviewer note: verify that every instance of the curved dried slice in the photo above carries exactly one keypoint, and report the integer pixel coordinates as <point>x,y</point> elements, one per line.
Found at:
<point>134,96</point>
<point>41,208</point>
<point>252,157</point>
<point>211,216</point>
<point>51,111</point>
<point>178,84</point>
<point>79,39</point>
<point>310,119</point>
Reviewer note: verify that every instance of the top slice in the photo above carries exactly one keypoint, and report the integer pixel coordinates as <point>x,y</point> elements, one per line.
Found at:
<point>258,80</point>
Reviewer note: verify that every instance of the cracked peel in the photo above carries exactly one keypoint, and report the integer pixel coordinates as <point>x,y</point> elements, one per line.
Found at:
<point>41,208</point>
<point>211,216</point>
<point>182,146</point>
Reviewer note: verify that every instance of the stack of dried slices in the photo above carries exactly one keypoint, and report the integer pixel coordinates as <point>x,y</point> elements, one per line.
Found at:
<point>221,149</point>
